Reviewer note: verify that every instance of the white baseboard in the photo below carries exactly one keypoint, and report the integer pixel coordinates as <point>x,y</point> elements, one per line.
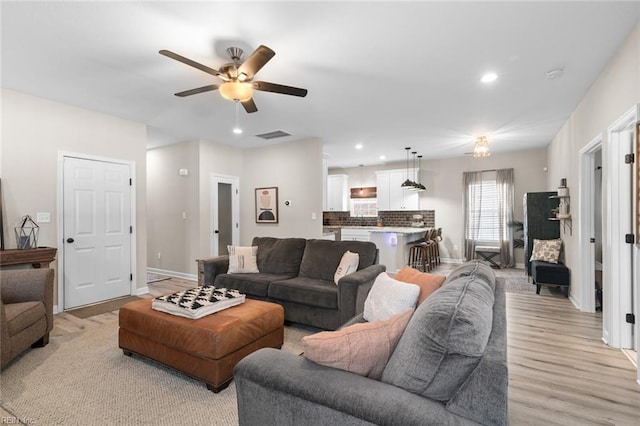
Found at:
<point>55,309</point>
<point>141,290</point>
<point>174,274</point>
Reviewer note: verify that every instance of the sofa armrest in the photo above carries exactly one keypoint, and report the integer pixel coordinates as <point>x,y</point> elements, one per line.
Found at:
<point>354,288</point>
<point>276,387</point>
<point>28,285</point>
<point>210,267</point>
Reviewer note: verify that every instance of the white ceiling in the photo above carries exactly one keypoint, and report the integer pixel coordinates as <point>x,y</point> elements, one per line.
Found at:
<point>384,74</point>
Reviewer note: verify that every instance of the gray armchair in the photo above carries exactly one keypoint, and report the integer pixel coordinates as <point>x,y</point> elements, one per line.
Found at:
<point>26,310</point>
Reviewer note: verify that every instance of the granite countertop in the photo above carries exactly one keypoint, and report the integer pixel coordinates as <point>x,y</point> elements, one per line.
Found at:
<point>396,229</point>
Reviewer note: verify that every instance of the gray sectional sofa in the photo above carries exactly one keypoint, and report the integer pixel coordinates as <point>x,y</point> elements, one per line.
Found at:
<point>449,368</point>
<point>298,274</point>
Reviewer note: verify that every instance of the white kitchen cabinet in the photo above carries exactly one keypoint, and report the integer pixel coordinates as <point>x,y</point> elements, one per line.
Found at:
<point>351,234</point>
<point>391,195</point>
<point>338,193</point>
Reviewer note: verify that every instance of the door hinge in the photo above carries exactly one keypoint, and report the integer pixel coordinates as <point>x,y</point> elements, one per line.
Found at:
<point>630,318</point>
<point>130,277</point>
<point>236,192</point>
<point>629,158</point>
<point>130,181</point>
<point>131,229</point>
<point>629,238</point>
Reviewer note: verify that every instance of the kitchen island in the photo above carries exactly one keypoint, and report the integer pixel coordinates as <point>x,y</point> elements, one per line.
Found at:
<point>392,242</point>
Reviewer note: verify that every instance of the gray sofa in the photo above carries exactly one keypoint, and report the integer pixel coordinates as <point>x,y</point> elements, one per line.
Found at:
<point>298,274</point>
<point>441,372</point>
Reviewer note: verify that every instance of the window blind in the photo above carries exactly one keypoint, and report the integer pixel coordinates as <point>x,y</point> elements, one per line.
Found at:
<point>485,214</point>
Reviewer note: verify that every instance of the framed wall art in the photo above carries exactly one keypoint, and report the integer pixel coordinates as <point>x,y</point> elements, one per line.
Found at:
<point>267,205</point>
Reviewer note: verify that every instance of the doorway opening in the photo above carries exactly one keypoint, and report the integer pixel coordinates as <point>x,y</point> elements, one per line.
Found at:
<point>225,213</point>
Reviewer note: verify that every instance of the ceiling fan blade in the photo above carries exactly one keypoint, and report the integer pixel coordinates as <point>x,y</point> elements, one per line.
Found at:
<point>187,61</point>
<point>255,62</point>
<point>249,106</point>
<point>279,88</point>
<point>197,90</point>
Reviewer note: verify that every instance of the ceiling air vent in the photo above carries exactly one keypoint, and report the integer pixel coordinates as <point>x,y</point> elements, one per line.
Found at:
<point>273,135</point>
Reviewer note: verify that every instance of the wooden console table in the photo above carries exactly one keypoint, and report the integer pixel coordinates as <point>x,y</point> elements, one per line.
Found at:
<point>39,257</point>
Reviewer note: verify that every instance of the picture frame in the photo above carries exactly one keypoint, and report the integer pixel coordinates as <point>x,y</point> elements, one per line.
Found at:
<point>267,204</point>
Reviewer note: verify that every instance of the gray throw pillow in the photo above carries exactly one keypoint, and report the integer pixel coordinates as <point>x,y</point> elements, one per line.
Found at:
<point>444,340</point>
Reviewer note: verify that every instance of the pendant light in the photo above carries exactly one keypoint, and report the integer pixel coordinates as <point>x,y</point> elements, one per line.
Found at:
<point>420,187</point>
<point>407,184</point>
<point>481,148</point>
<point>361,185</point>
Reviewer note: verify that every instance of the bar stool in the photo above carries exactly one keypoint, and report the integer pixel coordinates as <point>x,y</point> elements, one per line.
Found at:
<point>437,238</point>
<point>420,257</point>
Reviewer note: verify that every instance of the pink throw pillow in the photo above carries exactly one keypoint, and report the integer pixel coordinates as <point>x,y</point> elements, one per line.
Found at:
<point>428,283</point>
<point>362,348</point>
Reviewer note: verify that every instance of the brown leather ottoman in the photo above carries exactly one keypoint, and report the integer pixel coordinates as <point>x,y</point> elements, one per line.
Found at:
<point>206,349</point>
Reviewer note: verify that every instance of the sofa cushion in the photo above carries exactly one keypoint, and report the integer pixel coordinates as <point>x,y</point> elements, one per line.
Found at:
<point>362,349</point>
<point>249,284</point>
<point>445,340</point>
<point>478,268</point>
<point>427,282</point>
<point>322,257</point>
<point>546,250</point>
<point>280,256</point>
<point>307,291</point>
<point>348,265</point>
<point>242,260</point>
<point>22,315</point>
<point>389,297</point>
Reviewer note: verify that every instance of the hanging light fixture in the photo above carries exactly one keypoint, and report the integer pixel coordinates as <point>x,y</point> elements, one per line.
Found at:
<point>407,184</point>
<point>236,91</point>
<point>481,148</point>
<point>419,187</point>
<point>361,185</point>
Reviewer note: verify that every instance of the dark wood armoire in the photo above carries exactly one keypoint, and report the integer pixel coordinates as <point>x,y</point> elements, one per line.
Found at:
<point>537,208</point>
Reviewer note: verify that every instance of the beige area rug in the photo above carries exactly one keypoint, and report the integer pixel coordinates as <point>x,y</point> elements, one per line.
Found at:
<point>102,308</point>
<point>85,379</point>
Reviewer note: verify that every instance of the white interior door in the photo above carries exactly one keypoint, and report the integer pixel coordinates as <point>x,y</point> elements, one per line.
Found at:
<point>97,231</point>
<point>225,213</point>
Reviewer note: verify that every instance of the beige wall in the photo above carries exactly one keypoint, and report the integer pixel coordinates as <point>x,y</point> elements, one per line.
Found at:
<point>295,168</point>
<point>34,131</point>
<point>168,196</point>
<point>615,91</point>
<point>443,179</point>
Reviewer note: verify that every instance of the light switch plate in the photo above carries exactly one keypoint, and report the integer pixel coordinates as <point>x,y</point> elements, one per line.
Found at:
<point>43,217</point>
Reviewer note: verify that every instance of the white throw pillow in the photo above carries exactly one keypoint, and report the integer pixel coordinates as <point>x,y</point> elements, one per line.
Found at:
<point>243,260</point>
<point>348,265</point>
<point>389,297</point>
<point>546,250</point>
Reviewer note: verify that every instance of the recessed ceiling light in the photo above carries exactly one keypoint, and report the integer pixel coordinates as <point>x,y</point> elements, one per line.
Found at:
<point>383,157</point>
<point>555,73</point>
<point>359,146</point>
<point>237,130</point>
<point>489,77</point>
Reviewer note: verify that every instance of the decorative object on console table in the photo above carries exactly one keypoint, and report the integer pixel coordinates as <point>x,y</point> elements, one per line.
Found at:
<point>267,205</point>
<point>27,233</point>
<point>536,223</point>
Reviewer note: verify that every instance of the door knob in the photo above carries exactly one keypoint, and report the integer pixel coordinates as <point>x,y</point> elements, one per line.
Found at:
<point>70,240</point>
<point>216,232</point>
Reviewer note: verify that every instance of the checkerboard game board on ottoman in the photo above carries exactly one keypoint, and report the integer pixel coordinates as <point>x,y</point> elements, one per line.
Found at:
<point>207,348</point>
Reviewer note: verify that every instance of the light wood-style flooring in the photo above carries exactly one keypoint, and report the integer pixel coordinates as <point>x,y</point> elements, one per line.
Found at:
<point>560,371</point>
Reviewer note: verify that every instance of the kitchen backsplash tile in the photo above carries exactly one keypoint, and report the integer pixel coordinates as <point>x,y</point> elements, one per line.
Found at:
<point>389,218</point>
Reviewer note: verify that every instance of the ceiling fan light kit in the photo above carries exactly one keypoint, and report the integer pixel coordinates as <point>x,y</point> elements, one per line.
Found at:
<point>236,91</point>
<point>237,77</point>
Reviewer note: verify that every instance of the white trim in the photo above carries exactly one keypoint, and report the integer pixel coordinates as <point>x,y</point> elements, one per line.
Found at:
<point>142,290</point>
<point>174,274</point>
<point>617,257</point>
<point>60,218</point>
<point>586,224</point>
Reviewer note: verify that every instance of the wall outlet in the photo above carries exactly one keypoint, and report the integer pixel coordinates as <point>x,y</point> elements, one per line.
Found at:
<point>43,217</point>
<point>314,216</point>
<point>455,248</point>
<point>159,255</point>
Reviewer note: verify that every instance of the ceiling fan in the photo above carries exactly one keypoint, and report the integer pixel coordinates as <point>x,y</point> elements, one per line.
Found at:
<point>238,84</point>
